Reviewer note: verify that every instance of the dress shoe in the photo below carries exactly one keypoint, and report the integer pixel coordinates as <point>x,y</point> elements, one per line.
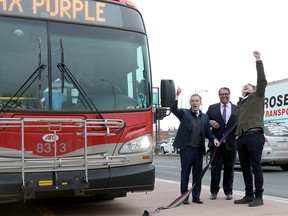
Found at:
<point>213,196</point>
<point>229,197</point>
<point>198,201</point>
<point>244,200</point>
<point>257,201</point>
<point>186,202</point>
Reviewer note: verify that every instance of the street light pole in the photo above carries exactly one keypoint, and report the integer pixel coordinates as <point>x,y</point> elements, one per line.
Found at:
<point>201,92</point>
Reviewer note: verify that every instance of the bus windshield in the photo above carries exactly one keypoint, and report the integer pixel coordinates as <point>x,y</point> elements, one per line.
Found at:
<point>111,66</point>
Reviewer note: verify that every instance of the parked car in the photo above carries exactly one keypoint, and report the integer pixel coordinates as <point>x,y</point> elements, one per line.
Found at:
<point>167,146</point>
<point>275,150</point>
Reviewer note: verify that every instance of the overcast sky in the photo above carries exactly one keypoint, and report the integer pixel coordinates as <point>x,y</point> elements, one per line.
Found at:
<point>207,44</point>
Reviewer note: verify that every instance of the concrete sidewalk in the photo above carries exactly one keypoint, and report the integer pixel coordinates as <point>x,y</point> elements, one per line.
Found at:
<point>167,191</point>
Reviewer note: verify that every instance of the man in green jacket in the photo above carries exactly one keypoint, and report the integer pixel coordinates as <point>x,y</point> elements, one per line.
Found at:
<point>250,137</point>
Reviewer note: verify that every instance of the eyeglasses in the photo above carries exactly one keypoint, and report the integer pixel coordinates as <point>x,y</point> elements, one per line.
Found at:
<point>224,94</point>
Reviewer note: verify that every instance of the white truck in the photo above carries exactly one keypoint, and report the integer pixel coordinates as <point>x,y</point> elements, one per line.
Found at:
<point>276,102</point>
<point>275,151</point>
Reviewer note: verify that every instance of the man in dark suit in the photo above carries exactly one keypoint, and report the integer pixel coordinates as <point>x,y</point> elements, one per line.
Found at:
<point>222,117</point>
<point>190,139</point>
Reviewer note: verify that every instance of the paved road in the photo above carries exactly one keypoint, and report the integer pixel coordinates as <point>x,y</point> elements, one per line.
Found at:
<point>275,180</point>
<point>135,203</point>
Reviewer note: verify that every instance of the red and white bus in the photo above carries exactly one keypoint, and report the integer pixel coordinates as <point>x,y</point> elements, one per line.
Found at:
<point>75,99</point>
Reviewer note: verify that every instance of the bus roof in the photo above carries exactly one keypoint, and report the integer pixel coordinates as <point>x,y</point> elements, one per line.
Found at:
<point>125,2</point>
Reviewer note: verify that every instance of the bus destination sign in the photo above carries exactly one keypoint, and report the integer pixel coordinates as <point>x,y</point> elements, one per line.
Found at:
<point>83,11</point>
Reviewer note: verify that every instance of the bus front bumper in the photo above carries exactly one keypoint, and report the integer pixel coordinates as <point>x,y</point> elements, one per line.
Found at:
<point>115,182</point>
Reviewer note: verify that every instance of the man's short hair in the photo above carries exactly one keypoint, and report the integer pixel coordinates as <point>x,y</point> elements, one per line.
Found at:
<point>224,88</point>
<point>253,86</point>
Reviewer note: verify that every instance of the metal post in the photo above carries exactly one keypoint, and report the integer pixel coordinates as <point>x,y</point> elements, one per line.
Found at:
<point>158,129</point>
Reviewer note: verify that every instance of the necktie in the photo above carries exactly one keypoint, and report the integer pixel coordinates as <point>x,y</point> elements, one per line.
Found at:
<point>224,113</point>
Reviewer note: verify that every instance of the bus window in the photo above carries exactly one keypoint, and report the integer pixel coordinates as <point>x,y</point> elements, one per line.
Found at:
<point>20,45</point>
<point>117,64</point>
<point>106,65</point>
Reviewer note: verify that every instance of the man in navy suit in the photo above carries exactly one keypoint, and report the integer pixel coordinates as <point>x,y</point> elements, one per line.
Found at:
<point>222,117</point>
<point>190,139</point>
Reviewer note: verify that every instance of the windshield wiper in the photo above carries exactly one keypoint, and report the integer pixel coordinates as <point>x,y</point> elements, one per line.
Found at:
<point>67,75</point>
<point>36,74</point>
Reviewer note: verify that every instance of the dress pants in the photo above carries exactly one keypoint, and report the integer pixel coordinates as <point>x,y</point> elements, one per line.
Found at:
<point>225,158</point>
<point>191,159</point>
<point>250,147</point>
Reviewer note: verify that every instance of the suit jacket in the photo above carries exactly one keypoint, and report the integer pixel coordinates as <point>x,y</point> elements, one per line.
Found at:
<point>214,113</point>
<point>184,131</point>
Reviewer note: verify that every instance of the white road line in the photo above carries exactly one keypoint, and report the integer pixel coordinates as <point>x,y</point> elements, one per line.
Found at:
<point>175,167</point>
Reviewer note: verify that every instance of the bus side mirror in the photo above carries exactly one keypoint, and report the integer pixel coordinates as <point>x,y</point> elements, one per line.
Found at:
<point>167,90</point>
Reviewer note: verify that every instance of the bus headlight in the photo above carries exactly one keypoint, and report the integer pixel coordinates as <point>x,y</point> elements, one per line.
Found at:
<point>138,145</point>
